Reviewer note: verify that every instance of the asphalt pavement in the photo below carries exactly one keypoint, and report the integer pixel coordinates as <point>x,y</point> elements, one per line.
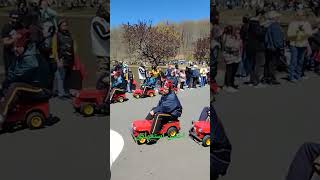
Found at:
<point>178,159</point>
<point>75,148</point>
<point>267,126</point>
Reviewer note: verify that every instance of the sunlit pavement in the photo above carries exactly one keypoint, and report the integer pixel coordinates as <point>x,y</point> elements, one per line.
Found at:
<point>167,159</point>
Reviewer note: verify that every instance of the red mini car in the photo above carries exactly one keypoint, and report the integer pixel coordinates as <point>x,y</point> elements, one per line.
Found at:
<point>139,93</point>
<point>91,101</point>
<point>119,97</point>
<point>162,89</point>
<point>201,131</point>
<point>33,113</point>
<point>171,128</point>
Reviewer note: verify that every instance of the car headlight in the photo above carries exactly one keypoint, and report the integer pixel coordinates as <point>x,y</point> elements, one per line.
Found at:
<point>200,130</point>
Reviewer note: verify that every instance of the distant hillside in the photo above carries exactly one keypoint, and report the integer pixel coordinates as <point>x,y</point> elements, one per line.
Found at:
<point>191,31</point>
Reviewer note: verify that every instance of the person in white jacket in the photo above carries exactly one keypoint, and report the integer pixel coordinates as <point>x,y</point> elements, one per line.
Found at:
<point>142,73</point>
<point>298,33</point>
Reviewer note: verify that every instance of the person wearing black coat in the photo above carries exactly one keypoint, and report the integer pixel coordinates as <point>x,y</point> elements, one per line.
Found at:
<point>315,47</point>
<point>256,50</point>
<point>220,150</point>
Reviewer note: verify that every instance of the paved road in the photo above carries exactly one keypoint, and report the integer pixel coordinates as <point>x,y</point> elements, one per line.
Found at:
<point>267,126</point>
<point>74,148</point>
<point>180,159</point>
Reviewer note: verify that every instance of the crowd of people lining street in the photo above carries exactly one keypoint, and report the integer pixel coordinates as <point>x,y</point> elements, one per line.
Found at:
<point>70,4</point>
<point>278,5</point>
<point>39,53</point>
<point>257,50</point>
<point>192,76</point>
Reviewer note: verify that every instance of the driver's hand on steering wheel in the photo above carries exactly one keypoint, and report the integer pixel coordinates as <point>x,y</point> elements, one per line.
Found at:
<point>152,113</point>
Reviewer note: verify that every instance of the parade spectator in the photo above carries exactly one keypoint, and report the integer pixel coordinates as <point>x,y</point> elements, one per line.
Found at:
<point>298,33</point>
<point>188,77</point>
<point>203,72</point>
<point>142,73</point>
<point>174,79</point>
<point>168,70</point>
<point>176,70</point>
<point>156,72</point>
<point>314,42</point>
<point>244,64</point>
<point>256,49</point>
<point>195,76</point>
<point>182,79</point>
<point>66,57</point>
<point>100,37</point>
<point>231,55</point>
<point>8,38</point>
<point>274,41</point>
<point>130,79</point>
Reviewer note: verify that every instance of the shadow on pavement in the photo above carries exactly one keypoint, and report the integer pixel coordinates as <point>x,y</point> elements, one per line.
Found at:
<point>20,126</point>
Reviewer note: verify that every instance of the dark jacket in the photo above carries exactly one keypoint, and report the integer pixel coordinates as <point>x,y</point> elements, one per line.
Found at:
<point>119,83</point>
<point>169,104</point>
<point>65,48</point>
<point>274,38</point>
<point>204,114</point>
<point>244,33</point>
<point>151,82</point>
<point>220,150</point>
<point>315,41</point>
<point>168,72</point>
<point>256,37</point>
<point>29,68</point>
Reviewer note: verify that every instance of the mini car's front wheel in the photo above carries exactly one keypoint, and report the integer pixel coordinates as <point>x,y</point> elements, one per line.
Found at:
<point>137,96</point>
<point>120,99</point>
<point>141,140</point>
<point>172,131</point>
<point>35,120</point>
<point>87,109</point>
<point>206,141</point>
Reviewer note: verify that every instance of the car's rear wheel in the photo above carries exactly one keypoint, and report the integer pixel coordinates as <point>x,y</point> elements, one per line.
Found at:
<point>35,120</point>
<point>206,141</point>
<point>137,96</point>
<point>172,132</point>
<point>151,94</point>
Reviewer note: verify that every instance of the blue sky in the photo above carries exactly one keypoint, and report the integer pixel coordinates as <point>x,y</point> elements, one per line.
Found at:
<point>124,11</point>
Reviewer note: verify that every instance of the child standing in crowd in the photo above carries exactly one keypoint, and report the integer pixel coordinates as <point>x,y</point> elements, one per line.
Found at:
<point>232,57</point>
<point>182,78</point>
